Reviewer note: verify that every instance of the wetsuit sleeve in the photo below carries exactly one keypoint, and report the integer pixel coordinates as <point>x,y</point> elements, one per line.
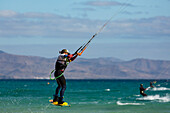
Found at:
<point>72,57</point>
<point>143,89</point>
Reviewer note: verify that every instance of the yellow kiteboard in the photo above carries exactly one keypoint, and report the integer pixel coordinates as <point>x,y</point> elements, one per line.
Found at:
<point>56,103</point>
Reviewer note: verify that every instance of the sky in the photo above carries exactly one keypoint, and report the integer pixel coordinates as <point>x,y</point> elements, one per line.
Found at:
<point>138,29</point>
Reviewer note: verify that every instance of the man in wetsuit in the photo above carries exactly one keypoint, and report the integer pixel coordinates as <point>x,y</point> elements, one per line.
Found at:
<point>62,61</point>
<point>151,85</point>
<point>142,89</point>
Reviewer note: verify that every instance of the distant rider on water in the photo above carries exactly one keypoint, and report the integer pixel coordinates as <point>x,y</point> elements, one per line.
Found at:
<point>142,89</point>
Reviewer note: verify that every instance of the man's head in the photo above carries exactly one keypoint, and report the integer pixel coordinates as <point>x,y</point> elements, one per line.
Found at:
<point>64,51</point>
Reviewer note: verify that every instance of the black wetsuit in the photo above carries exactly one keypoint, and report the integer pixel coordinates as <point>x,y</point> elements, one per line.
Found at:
<point>151,85</point>
<point>61,80</point>
<point>142,91</point>
<point>60,67</point>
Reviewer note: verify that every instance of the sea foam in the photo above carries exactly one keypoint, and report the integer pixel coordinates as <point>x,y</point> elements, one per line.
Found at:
<point>156,98</point>
<point>120,103</point>
<point>160,89</point>
<point>107,89</point>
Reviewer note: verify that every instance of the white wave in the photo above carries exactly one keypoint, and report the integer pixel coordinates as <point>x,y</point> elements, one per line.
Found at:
<point>157,98</point>
<point>109,102</point>
<point>107,89</point>
<point>119,103</point>
<point>160,89</point>
<point>158,85</point>
<point>137,95</point>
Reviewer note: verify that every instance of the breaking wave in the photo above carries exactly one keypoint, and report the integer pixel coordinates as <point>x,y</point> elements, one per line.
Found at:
<point>136,95</point>
<point>107,89</point>
<point>160,89</point>
<point>119,103</point>
<point>156,98</point>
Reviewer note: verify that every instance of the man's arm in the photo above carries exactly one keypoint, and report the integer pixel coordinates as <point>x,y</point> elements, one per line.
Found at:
<point>72,57</point>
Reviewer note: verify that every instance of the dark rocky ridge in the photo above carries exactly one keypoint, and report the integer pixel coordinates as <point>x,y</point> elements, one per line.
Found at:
<point>32,67</point>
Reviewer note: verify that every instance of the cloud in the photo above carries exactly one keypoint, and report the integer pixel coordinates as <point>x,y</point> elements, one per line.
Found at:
<point>152,27</point>
<point>134,13</point>
<point>13,24</point>
<point>7,13</point>
<point>84,9</point>
<point>106,3</point>
<point>41,25</point>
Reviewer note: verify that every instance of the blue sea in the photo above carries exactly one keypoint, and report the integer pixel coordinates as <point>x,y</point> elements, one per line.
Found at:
<point>85,96</point>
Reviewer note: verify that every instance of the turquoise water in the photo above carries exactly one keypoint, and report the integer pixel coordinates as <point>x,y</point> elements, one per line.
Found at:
<point>85,96</point>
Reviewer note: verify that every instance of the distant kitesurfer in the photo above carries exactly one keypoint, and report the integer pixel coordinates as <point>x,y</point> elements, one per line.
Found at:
<point>62,61</point>
<point>142,89</point>
<point>151,85</point>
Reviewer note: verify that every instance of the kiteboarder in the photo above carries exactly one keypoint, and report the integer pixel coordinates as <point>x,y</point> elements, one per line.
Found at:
<point>142,89</point>
<point>62,61</point>
<point>151,85</point>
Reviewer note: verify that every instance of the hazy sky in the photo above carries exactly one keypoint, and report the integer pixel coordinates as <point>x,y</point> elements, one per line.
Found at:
<point>139,28</point>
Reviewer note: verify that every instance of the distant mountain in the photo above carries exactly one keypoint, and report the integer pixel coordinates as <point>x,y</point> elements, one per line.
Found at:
<point>24,67</point>
<point>1,51</point>
<point>32,67</point>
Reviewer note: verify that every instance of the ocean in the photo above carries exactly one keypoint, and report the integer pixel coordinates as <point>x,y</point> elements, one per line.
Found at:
<point>85,96</point>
